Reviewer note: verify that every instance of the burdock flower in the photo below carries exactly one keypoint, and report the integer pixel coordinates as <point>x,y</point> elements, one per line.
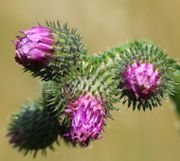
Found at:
<point>34,49</point>
<point>87,119</point>
<point>141,79</point>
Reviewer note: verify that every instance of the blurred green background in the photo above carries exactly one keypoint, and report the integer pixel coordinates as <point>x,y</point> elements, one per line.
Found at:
<point>132,136</point>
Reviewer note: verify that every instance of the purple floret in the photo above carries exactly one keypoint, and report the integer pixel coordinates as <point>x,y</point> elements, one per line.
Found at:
<point>141,79</point>
<point>88,117</point>
<point>35,48</point>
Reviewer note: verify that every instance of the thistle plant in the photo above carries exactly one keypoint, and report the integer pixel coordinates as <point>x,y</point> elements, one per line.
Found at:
<point>79,91</point>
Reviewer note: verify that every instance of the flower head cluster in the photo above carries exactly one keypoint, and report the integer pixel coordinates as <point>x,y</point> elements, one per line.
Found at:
<point>88,117</point>
<point>141,79</point>
<point>34,49</point>
<point>80,91</point>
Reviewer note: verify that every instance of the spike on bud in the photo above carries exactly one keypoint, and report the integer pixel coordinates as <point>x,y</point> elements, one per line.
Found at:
<point>176,96</point>
<point>87,119</point>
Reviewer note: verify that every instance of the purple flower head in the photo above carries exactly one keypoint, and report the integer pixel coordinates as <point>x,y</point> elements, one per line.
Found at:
<point>141,79</point>
<point>88,116</point>
<point>34,49</point>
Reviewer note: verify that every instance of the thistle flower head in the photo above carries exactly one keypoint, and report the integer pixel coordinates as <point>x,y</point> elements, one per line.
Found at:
<point>34,49</point>
<point>141,79</point>
<point>87,119</point>
<point>145,74</point>
<point>49,52</point>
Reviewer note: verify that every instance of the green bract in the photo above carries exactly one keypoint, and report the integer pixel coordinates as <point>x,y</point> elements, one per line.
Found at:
<point>176,96</point>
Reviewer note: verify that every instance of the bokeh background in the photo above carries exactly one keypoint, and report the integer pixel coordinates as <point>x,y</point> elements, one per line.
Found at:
<point>132,136</point>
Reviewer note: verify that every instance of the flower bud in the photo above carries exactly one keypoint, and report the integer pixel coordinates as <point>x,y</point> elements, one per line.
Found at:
<point>145,74</point>
<point>33,129</point>
<point>49,52</point>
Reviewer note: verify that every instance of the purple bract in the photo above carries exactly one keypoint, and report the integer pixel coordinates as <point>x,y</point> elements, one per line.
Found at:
<point>88,116</point>
<point>16,137</point>
<point>141,79</point>
<point>35,48</point>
